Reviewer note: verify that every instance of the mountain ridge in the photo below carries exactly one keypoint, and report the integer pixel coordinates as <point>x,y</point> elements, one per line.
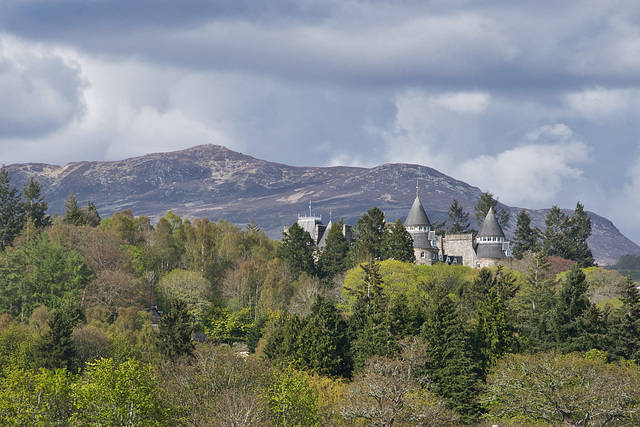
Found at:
<point>216,182</point>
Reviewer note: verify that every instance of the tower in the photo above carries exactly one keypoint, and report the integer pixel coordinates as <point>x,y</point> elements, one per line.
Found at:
<point>419,227</point>
<point>491,246</point>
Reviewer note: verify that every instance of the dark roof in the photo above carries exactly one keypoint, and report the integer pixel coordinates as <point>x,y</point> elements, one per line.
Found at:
<point>417,215</point>
<point>490,226</point>
<point>421,240</point>
<point>323,240</point>
<point>490,250</point>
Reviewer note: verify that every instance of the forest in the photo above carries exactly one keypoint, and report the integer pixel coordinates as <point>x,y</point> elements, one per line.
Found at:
<point>188,322</point>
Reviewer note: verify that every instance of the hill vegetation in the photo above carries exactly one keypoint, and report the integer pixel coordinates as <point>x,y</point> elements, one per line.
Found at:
<point>99,318</point>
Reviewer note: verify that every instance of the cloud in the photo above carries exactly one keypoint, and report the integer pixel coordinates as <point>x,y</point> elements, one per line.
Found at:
<point>531,174</point>
<point>40,91</point>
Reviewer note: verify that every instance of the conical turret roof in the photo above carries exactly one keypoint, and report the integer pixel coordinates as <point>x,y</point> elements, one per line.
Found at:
<point>417,216</point>
<point>490,226</point>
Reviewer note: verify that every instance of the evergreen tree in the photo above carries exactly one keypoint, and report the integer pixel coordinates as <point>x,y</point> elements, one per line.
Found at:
<point>323,345</point>
<point>571,304</point>
<point>72,213</point>
<point>11,210</point>
<point>579,233</point>
<point>334,257</point>
<point>526,238</point>
<point>282,342</point>
<point>91,216</point>
<point>450,363</point>
<point>34,204</point>
<point>176,329</point>
<point>486,202</point>
<point>398,243</point>
<point>369,235</point>
<point>626,334</point>
<point>56,349</point>
<point>494,332</point>
<point>297,250</point>
<point>458,219</point>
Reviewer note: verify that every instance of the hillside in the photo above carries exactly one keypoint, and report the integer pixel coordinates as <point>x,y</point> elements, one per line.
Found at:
<point>215,182</point>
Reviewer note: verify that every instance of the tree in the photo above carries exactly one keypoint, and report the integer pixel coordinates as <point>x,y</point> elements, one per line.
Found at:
<point>579,233</point>
<point>114,395</point>
<point>34,204</point>
<point>334,256</point>
<point>190,288</point>
<point>398,243</point>
<point>389,392</point>
<point>56,349</point>
<point>11,210</point>
<point>626,333</point>
<point>571,304</point>
<point>176,329</point>
<point>297,250</point>
<point>550,389</point>
<point>526,238</point>
<point>458,219</point>
<point>369,235</point>
<point>450,363</point>
<point>486,202</point>
<point>291,400</point>
<point>324,345</point>
<point>72,212</point>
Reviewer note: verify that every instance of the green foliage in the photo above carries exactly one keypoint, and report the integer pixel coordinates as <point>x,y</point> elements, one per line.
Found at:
<point>297,250</point>
<point>189,287</point>
<point>369,232</point>
<point>11,210</point>
<point>41,398</point>
<point>39,272</point>
<point>176,328</point>
<point>114,395</point>
<point>550,389</point>
<point>566,237</point>
<point>291,399</point>
<point>34,205</point>
<point>333,258</point>
<point>398,243</point>
<point>56,349</point>
<point>526,238</point>
<point>458,219</point>
<point>230,327</point>
<point>450,360</point>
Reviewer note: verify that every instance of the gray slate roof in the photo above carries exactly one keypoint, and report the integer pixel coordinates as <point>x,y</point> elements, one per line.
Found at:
<point>490,226</point>
<point>417,216</point>
<point>490,250</point>
<point>421,240</point>
<point>323,240</point>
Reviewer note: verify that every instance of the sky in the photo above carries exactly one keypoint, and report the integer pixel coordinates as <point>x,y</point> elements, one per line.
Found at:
<point>535,101</point>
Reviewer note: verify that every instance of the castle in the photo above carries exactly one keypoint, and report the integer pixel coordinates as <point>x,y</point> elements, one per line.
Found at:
<point>488,248</point>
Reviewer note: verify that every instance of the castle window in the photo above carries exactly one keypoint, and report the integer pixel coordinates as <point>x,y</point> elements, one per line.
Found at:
<point>421,254</point>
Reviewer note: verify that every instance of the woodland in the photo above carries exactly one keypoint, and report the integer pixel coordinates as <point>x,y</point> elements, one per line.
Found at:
<point>188,322</point>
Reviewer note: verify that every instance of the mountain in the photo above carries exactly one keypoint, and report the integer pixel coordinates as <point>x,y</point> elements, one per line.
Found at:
<point>218,183</point>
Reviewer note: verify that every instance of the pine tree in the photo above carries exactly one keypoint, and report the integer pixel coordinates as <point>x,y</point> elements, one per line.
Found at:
<point>176,329</point>
<point>450,363</point>
<point>555,240</point>
<point>486,202</point>
<point>323,345</point>
<point>11,210</point>
<point>56,349</point>
<point>398,243</point>
<point>334,257</point>
<point>369,235</point>
<point>571,304</point>
<point>626,337</point>
<point>579,232</point>
<point>34,204</point>
<point>526,238</point>
<point>72,212</point>
<point>458,219</point>
<point>297,250</point>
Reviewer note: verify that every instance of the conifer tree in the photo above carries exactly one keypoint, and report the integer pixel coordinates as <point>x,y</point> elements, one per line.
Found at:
<point>11,210</point>
<point>176,329</point>
<point>571,304</point>
<point>369,235</point>
<point>526,238</point>
<point>458,219</point>
<point>450,362</point>
<point>297,250</point>
<point>334,257</point>
<point>72,212</point>
<point>486,202</point>
<point>626,334</point>
<point>579,233</point>
<point>34,204</point>
<point>56,349</point>
<point>398,243</point>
